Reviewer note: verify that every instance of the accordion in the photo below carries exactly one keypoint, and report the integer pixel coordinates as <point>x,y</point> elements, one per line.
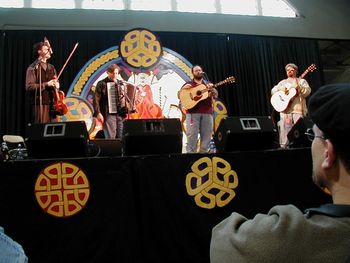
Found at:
<point>121,98</point>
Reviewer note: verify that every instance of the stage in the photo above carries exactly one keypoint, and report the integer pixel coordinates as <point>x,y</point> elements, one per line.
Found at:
<point>158,208</point>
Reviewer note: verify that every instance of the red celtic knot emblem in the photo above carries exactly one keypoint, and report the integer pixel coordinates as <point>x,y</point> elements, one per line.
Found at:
<point>62,189</point>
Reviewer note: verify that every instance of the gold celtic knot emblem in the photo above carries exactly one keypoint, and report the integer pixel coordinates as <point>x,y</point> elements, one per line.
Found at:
<point>62,189</point>
<point>211,182</point>
<point>140,48</point>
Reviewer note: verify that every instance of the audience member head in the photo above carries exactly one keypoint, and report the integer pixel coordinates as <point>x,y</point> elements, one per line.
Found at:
<point>329,109</point>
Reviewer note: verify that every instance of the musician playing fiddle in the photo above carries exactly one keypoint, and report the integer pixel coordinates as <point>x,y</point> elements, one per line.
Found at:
<point>41,84</point>
<point>297,105</point>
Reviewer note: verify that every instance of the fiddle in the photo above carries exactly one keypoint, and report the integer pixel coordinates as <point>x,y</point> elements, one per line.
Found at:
<point>58,103</point>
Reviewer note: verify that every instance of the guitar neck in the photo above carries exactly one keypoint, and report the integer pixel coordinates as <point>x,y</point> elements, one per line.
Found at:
<point>220,83</point>
<point>304,74</point>
<point>311,68</point>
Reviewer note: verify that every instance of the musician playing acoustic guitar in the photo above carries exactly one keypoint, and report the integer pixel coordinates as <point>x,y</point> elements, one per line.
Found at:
<point>296,106</point>
<point>199,119</point>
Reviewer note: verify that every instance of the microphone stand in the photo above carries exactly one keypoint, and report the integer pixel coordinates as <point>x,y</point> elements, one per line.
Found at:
<point>40,96</point>
<point>205,77</point>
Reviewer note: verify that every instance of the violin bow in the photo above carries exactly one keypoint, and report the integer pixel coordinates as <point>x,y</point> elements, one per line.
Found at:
<point>65,64</point>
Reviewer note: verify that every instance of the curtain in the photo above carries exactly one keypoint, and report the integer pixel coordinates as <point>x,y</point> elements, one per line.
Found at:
<point>257,62</point>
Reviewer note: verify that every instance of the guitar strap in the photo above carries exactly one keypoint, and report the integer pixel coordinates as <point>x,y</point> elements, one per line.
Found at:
<point>301,98</point>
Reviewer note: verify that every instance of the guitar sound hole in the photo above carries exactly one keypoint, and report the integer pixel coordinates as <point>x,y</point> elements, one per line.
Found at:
<point>199,93</point>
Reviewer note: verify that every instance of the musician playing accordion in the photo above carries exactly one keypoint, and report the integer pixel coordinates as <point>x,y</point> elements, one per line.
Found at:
<point>112,102</point>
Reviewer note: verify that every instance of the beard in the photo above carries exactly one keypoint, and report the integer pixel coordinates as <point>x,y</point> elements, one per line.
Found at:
<point>198,77</point>
<point>317,179</point>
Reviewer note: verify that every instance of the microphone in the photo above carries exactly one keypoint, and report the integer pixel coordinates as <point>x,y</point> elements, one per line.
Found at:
<point>205,76</point>
<point>46,41</point>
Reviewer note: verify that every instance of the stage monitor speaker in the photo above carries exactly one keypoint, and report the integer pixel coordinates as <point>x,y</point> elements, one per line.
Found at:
<point>57,140</point>
<point>151,136</point>
<point>245,133</point>
<point>105,147</point>
<point>296,136</point>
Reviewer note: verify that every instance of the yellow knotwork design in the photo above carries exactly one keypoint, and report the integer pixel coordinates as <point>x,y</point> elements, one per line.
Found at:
<point>92,68</point>
<point>220,113</point>
<point>178,62</point>
<point>140,48</point>
<point>211,182</point>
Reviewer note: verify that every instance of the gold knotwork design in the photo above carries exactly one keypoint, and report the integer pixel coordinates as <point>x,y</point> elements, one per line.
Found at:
<point>211,182</point>
<point>140,48</point>
<point>178,62</point>
<point>98,62</point>
<point>220,112</point>
<point>62,189</point>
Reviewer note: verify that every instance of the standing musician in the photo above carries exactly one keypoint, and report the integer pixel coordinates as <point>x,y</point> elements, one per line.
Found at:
<point>199,119</point>
<point>41,84</point>
<point>297,107</point>
<point>112,122</point>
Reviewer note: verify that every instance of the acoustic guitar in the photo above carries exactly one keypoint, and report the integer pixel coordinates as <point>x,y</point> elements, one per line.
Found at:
<point>192,96</point>
<point>281,99</point>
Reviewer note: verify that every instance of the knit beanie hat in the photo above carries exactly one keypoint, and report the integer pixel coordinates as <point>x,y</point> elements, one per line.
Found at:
<point>329,109</point>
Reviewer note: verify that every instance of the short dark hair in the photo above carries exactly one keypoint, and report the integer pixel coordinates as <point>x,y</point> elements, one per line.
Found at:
<point>112,67</point>
<point>38,46</point>
<point>196,65</point>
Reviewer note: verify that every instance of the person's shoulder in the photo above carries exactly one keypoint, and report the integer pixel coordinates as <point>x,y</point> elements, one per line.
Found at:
<point>303,81</point>
<point>250,240</point>
<point>32,65</point>
<point>277,217</point>
<point>51,65</point>
<point>283,81</point>
<point>10,249</point>
<point>102,81</point>
<point>287,210</point>
<point>187,85</point>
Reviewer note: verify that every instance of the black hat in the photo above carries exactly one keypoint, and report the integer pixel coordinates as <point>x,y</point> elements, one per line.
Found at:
<point>329,109</point>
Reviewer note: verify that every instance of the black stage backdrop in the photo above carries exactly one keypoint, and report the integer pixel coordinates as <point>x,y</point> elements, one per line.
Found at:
<point>256,61</point>
<point>139,209</point>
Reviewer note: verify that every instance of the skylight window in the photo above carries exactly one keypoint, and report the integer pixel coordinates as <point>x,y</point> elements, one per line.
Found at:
<point>103,4</point>
<point>14,3</point>
<point>239,7</point>
<point>150,5</point>
<point>276,8</point>
<point>57,4</point>
<point>203,6</point>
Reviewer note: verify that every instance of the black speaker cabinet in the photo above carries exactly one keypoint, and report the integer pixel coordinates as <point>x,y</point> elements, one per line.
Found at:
<point>105,147</point>
<point>245,133</point>
<point>151,136</point>
<point>296,136</point>
<point>57,140</point>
